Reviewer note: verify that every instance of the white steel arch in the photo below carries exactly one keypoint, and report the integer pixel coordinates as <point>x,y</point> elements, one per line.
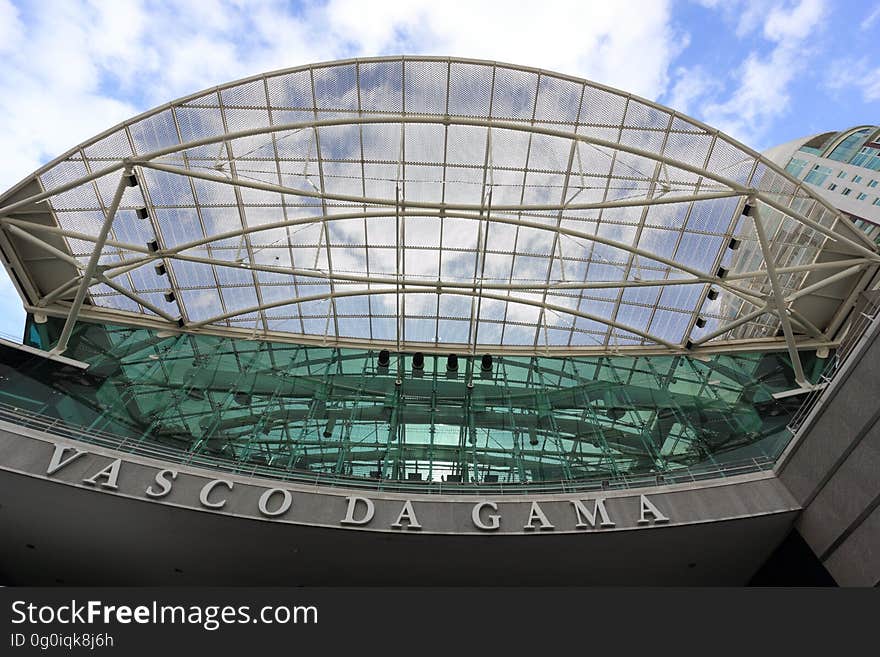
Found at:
<point>551,210</point>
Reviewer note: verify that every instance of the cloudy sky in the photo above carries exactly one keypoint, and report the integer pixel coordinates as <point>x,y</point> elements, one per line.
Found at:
<point>764,71</point>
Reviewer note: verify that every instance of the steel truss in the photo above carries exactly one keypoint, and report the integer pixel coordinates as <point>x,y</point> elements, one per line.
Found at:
<point>183,159</point>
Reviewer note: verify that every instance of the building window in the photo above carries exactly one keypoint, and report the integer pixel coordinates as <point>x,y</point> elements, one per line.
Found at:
<point>842,174</point>
<point>872,183</point>
<point>862,196</point>
<point>832,187</point>
<point>796,166</point>
<point>846,191</point>
<point>850,146</point>
<point>877,201</point>
<point>818,175</point>
<point>856,178</point>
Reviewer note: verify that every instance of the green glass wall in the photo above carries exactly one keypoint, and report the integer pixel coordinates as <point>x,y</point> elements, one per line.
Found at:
<point>338,412</point>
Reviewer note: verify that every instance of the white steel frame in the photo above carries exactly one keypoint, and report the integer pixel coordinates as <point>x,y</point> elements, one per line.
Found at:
<point>776,302</point>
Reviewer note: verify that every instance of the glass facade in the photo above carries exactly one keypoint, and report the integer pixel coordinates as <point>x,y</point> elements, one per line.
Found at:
<point>868,157</point>
<point>818,175</point>
<point>343,414</point>
<point>796,166</point>
<point>845,150</point>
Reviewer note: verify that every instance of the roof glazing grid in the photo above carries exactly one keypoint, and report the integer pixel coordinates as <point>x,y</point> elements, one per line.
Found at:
<point>435,203</point>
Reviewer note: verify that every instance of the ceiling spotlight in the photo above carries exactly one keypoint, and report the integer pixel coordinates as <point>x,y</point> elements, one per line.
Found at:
<point>452,363</point>
<point>153,246</point>
<point>142,213</point>
<point>722,272</point>
<point>615,412</point>
<point>418,361</point>
<point>733,244</point>
<point>701,322</point>
<point>486,363</point>
<point>384,358</point>
<point>747,210</point>
<point>160,269</point>
<point>712,294</point>
<point>131,180</point>
<point>169,296</point>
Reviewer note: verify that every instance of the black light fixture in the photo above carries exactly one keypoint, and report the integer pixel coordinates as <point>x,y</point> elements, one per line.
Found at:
<point>689,345</point>
<point>142,213</point>
<point>722,272</point>
<point>418,361</point>
<point>180,322</point>
<point>712,294</point>
<point>328,428</point>
<point>160,269</point>
<point>701,322</point>
<point>169,296</point>
<point>533,436</point>
<point>615,412</point>
<point>452,363</point>
<point>195,393</point>
<point>131,180</point>
<point>153,246</point>
<point>384,358</point>
<point>486,363</point>
<point>733,244</point>
<point>747,210</point>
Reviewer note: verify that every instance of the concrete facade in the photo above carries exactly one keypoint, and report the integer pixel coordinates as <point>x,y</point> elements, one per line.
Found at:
<point>833,469</point>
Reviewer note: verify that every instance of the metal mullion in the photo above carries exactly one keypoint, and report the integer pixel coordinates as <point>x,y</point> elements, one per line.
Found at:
<point>687,217</point>
<point>658,168</point>
<point>192,188</point>
<point>480,248</point>
<point>731,226</point>
<point>357,71</point>
<point>522,195</point>
<point>240,203</point>
<point>91,267</point>
<point>554,245</point>
<point>442,213</point>
<point>283,201</point>
<point>325,231</point>
<point>599,216</point>
<point>778,298</point>
<point>103,207</point>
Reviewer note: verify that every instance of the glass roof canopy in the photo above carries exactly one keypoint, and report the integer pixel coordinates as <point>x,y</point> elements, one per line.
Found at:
<point>437,205</point>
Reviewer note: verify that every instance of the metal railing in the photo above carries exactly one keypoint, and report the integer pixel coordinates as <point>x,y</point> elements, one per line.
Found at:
<point>54,426</point>
<point>864,319</point>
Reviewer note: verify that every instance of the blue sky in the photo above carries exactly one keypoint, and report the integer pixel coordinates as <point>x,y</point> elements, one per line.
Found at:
<point>764,71</point>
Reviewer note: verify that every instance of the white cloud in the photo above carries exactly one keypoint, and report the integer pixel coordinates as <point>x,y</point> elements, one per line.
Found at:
<point>79,67</point>
<point>859,74</point>
<point>692,84</point>
<point>761,94</point>
<point>74,68</point>
<point>870,19</point>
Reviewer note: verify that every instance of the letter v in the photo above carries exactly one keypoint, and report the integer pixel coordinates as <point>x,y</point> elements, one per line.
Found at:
<point>58,461</point>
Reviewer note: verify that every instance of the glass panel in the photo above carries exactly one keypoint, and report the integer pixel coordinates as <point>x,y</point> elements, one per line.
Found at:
<point>303,411</point>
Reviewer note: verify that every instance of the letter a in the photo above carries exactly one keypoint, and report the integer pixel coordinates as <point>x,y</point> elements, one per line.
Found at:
<point>538,514</point>
<point>647,507</point>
